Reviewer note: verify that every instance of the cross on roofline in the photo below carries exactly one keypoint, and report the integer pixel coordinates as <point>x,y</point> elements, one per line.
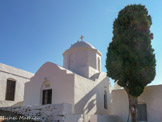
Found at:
<point>81,37</point>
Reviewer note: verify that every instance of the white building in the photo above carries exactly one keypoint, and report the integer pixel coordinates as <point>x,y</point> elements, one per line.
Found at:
<point>79,82</point>
<point>149,104</point>
<point>12,81</point>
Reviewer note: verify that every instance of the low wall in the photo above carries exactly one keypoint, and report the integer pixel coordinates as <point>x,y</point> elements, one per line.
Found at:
<point>104,118</point>
<point>151,97</point>
<point>47,113</point>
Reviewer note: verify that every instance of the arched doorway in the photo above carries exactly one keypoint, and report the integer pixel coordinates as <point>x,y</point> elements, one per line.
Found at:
<point>46,93</point>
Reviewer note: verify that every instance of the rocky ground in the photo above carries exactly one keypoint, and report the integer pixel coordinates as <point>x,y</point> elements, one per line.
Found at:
<point>12,117</point>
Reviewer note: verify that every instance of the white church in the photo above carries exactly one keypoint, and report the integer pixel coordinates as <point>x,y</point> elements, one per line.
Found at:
<point>78,92</point>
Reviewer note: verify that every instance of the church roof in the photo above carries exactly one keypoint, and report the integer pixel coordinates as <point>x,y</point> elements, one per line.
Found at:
<point>81,44</point>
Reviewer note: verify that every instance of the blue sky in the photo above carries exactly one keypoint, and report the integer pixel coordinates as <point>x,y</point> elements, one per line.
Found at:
<point>33,32</point>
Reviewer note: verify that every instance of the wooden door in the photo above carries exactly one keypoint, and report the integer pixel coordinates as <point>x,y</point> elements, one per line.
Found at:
<point>47,97</point>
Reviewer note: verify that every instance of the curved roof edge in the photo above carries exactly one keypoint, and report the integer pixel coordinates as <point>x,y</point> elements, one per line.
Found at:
<point>95,50</point>
<point>52,65</point>
<point>82,44</point>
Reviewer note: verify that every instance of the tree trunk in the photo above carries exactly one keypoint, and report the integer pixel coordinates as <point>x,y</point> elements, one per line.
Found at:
<point>133,105</point>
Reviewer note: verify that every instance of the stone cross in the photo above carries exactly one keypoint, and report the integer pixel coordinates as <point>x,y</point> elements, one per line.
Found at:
<point>81,37</point>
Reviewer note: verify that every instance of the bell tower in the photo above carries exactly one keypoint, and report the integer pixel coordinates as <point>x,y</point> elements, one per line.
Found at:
<point>82,58</point>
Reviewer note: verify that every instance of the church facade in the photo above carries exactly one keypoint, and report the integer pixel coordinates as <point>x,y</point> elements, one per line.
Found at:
<point>79,82</point>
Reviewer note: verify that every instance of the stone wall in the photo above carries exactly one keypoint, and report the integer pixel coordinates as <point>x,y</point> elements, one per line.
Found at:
<point>47,113</point>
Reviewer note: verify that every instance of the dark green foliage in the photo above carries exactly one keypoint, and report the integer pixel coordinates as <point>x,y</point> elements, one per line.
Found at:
<point>130,57</point>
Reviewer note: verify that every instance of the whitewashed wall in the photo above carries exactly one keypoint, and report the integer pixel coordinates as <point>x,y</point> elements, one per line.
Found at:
<point>75,58</point>
<point>85,95</point>
<point>61,82</point>
<point>89,95</point>
<point>21,77</point>
<point>151,96</point>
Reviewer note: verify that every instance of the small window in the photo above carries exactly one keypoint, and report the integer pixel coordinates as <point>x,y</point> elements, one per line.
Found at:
<point>10,90</point>
<point>99,64</point>
<point>142,112</point>
<point>105,100</point>
<point>70,61</point>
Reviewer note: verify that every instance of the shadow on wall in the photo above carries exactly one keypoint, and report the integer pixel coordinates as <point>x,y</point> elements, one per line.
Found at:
<point>90,106</point>
<point>93,101</point>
